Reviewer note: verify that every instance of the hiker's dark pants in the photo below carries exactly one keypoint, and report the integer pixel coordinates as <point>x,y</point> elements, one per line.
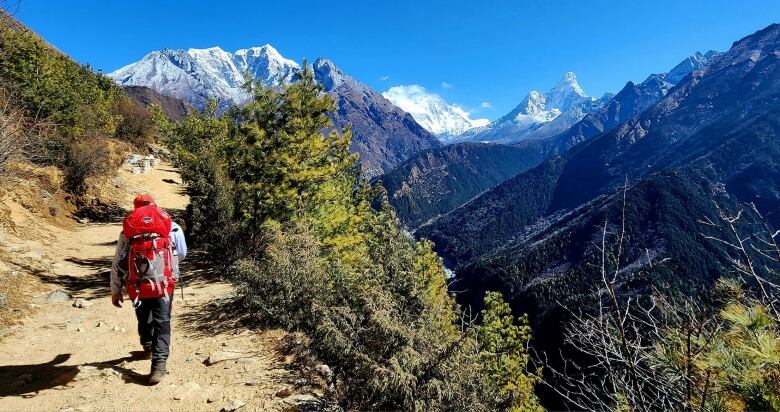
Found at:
<point>154,328</point>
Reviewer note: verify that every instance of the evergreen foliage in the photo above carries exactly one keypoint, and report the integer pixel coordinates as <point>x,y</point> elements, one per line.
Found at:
<point>282,206</point>
<point>77,110</point>
<point>502,351</point>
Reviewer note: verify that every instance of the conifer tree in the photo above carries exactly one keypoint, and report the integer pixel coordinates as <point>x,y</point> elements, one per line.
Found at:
<point>502,343</point>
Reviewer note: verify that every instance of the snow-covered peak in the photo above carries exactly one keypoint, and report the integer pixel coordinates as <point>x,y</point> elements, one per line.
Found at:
<point>197,75</point>
<point>566,94</point>
<point>535,103</point>
<point>432,112</point>
<point>540,114</point>
<point>329,75</point>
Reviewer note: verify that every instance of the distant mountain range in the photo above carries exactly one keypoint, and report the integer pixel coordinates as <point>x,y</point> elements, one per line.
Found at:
<point>445,120</point>
<point>437,181</point>
<point>630,101</point>
<point>197,75</point>
<point>383,134</point>
<point>434,183</point>
<point>713,137</point>
<point>540,115</point>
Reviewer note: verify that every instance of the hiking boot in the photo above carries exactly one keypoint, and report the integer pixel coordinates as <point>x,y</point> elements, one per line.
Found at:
<point>147,347</point>
<point>157,375</point>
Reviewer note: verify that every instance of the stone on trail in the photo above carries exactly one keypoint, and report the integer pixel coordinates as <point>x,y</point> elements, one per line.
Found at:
<point>324,371</point>
<point>187,391</point>
<point>59,295</point>
<point>221,356</point>
<point>235,404</point>
<point>298,402</point>
<point>283,393</point>
<point>83,303</point>
<point>214,397</point>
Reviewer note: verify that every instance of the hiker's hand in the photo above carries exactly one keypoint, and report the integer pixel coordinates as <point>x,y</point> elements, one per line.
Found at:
<point>117,299</point>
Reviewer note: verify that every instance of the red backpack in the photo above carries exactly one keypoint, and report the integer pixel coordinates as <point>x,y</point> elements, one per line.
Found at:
<point>149,254</point>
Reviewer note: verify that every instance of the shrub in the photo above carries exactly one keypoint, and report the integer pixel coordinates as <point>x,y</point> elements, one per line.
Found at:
<point>283,285</point>
<point>310,254</point>
<point>137,125</point>
<point>13,137</point>
<point>83,160</point>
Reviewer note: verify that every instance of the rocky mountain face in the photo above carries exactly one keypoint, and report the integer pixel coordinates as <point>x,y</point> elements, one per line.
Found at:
<point>632,100</point>
<point>174,108</point>
<point>384,135</point>
<point>436,181</point>
<point>446,190</point>
<point>197,75</point>
<point>433,113</point>
<point>715,136</point>
<point>540,115</point>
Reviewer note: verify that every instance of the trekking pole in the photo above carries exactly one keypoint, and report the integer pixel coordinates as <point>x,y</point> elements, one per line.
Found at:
<point>181,280</point>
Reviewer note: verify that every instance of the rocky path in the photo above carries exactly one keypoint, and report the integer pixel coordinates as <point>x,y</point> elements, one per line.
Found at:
<point>66,357</point>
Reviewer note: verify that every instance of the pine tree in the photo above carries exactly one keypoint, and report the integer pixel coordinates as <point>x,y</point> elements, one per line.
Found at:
<point>502,342</point>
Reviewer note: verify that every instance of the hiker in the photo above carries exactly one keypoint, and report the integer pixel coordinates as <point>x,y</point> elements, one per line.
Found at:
<point>146,263</point>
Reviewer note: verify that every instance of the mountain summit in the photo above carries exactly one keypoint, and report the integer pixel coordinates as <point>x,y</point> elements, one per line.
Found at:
<point>383,134</point>
<point>540,115</point>
<point>197,75</point>
<point>432,112</point>
<point>566,93</point>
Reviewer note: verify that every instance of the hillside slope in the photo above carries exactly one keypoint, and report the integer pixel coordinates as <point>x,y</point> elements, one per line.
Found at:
<point>696,118</point>
<point>382,134</point>
<point>437,181</point>
<point>175,109</point>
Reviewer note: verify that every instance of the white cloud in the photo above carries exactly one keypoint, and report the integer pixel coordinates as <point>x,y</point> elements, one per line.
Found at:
<point>486,105</point>
<point>431,111</point>
<point>384,78</point>
<point>445,85</point>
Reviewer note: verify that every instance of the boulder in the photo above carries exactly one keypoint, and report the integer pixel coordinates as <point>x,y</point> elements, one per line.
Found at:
<point>189,390</point>
<point>300,402</point>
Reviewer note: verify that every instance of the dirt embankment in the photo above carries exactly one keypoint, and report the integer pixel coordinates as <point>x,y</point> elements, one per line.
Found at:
<point>60,356</point>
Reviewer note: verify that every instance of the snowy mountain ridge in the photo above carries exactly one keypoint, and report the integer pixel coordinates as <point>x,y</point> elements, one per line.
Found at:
<point>432,112</point>
<point>197,75</point>
<point>530,118</point>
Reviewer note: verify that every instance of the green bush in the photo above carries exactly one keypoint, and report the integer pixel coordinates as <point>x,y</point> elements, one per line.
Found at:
<point>310,254</point>
<point>74,107</point>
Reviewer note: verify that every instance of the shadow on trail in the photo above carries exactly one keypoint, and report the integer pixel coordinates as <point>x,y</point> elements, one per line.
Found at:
<point>223,315</point>
<point>97,283</point>
<point>27,380</point>
<point>97,211</point>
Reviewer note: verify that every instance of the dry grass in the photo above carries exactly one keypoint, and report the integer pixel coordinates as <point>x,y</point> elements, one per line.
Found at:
<point>17,288</point>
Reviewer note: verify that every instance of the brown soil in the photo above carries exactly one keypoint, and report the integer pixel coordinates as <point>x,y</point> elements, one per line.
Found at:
<point>61,356</point>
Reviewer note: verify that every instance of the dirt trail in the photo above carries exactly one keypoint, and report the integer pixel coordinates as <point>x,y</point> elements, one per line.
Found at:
<point>63,357</point>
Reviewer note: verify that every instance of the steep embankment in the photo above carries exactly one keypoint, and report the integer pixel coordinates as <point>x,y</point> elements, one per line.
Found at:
<point>62,356</point>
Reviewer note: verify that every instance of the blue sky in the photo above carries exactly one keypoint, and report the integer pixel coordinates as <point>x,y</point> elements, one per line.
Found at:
<point>469,52</point>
